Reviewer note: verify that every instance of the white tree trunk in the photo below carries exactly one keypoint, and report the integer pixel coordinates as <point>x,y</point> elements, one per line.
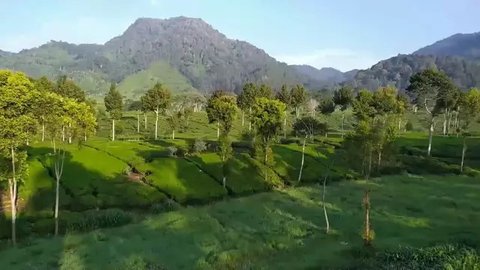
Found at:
<point>430,137</point>
<point>85,136</point>
<point>303,160</point>
<point>343,123</point>
<point>63,133</point>
<point>464,150</point>
<point>173,134</point>
<point>445,123</point>
<point>156,124</point>
<point>218,130</point>
<point>59,161</point>
<point>138,123</point>
<point>285,125</point>
<point>224,182</point>
<point>69,133</point>
<point>113,130</point>
<point>327,223</point>
<point>250,119</point>
<point>243,118</point>
<point>43,131</point>
<point>13,198</point>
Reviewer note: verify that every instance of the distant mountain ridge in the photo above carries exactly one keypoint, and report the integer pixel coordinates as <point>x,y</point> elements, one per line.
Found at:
<point>186,54</point>
<point>458,56</point>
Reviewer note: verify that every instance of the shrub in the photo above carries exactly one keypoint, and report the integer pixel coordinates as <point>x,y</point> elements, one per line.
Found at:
<point>96,219</point>
<point>165,206</point>
<point>409,126</point>
<point>199,146</point>
<point>172,151</point>
<point>290,141</point>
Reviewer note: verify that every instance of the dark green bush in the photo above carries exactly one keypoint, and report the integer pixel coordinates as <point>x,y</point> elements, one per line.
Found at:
<point>246,145</point>
<point>409,126</point>
<point>290,141</point>
<point>95,219</point>
<point>407,258</point>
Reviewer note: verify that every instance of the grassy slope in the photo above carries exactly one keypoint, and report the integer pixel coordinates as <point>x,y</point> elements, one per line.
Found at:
<point>135,85</point>
<point>278,230</point>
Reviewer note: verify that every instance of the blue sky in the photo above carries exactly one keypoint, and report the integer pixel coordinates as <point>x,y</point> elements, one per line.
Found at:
<point>344,34</point>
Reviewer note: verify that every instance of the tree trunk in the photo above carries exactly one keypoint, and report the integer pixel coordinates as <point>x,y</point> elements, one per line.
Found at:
<point>145,120</point>
<point>399,124</point>
<point>369,164</point>
<point>69,133</point>
<point>113,130</point>
<point>343,123</point>
<point>366,202</point>
<point>285,125</point>
<point>57,202</point>
<point>250,119</point>
<point>303,160</point>
<point>60,158</point>
<point>43,131</point>
<point>218,130</point>
<point>173,134</point>
<point>430,137</point>
<point>156,124</point>
<point>85,136</point>
<point>224,182</point>
<point>13,199</point>
<point>464,150</point>
<point>54,146</point>
<point>243,118</point>
<point>327,223</point>
<point>63,133</point>
<point>138,123</point>
<point>379,159</point>
<point>445,123</point>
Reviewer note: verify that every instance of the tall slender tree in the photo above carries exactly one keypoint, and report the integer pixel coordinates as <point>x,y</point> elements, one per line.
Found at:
<point>156,100</point>
<point>267,119</point>
<point>285,96</point>
<point>343,99</point>
<point>221,108</point>
<point>17,122</point>
<point>470,112</point>
<point>298,97</point>
<point>245,101</point>
<point>114,105</point>
<point>429,89</point>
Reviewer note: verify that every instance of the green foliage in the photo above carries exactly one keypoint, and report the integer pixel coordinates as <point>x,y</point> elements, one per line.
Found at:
<point>343,97</point>
<point>156,99</point>
<point>221,108</point>
<point>67,88</point>
<point>114,103</point>
<point>432,90</point>
<point>436,257</point>
<point>298,97</point>
<point>309,127</point>
<point>96,219</point>
<point>326,106</point>
<point>284,96</point>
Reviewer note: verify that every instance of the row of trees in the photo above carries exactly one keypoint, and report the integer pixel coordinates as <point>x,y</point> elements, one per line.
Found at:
<point>27,106</point>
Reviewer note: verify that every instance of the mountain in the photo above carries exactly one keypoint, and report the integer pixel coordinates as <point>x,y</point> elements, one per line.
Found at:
<point>397,71</point>
<point>186,54</point>
<point>462,45</point>
<point>458,56</point>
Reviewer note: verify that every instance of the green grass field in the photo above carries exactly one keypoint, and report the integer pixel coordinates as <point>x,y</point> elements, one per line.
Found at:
<point>276,230</point>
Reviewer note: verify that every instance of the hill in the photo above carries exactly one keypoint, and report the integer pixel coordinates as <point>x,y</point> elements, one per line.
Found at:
<point>184,53</point>
<point>462,45</point>
<point>397,71</point>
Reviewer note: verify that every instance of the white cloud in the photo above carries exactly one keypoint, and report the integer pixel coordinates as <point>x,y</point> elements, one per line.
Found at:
<point>341,59</point>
